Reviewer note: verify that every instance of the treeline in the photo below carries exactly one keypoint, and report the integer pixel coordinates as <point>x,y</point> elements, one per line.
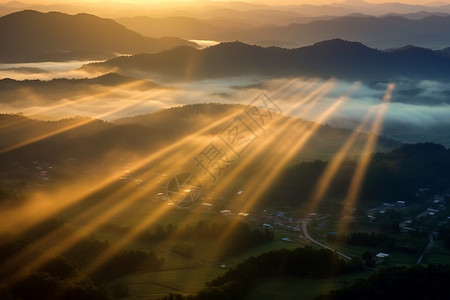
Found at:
<point>300,262</point>
<point>240,236</point>
<point>62,276</point>
<point>393,176</point>
<point>416,282</point>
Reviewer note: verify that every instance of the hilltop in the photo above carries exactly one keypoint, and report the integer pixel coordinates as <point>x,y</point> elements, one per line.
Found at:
<point>332,58</point>
<point>54,36</point>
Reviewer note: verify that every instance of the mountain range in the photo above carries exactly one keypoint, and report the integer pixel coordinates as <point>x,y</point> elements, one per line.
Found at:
<point>281,13</point>
<point>332,58</point>
<point>379,32</point>
<point>423,29</point>
<point>34,36</point>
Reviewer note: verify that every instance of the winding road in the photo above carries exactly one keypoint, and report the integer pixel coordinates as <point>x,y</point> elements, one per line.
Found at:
<point>305,232</point>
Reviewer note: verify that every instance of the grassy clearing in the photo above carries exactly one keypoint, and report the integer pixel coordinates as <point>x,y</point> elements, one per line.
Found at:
<point>189,275</point>
<point>439,254</point>
<point>186,281</point>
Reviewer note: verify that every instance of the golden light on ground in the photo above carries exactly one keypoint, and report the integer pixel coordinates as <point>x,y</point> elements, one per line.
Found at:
<point>279,134</point>
<point>333,166</point>
<point>225,183</point>
<point>365,159</point>
<point>59,241</point>
<point>278,144</point>
<point>276,165</point>
<point>143,225</point>
<point>259,184</point>
<point>128,238</point>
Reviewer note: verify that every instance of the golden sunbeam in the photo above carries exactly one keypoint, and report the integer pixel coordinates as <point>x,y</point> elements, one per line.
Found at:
<point>292,86</point>
<point>59,241</point>
<point>56,207</point>
<point>126,239</point>
<point>313,97</point>
<point>274,166</point>
<point>64,129</point>
<point>63,245</point>
<point>366,158</point>
<point>83,99</point>
<point>333,166</point>
<point>298,91</point>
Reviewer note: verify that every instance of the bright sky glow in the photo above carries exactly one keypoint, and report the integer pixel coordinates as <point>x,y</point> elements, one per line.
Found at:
<point>272,2</point>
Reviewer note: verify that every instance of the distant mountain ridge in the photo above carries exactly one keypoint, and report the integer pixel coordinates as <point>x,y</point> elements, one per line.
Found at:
<point>332,58</point>
<point>218,8</point>
<point>425,29</point>
<point>34,36</point>
<point>431,31</point>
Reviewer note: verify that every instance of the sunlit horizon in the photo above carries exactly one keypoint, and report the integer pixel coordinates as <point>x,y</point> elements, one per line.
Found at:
<point>203,149</point>
<point>269,2</point>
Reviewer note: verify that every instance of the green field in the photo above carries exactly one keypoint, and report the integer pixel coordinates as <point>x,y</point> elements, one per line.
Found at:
<point>189,275</point>
<point>439,254</point>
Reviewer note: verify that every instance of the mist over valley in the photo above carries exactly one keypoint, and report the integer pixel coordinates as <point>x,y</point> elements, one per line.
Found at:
<point>224,150</point>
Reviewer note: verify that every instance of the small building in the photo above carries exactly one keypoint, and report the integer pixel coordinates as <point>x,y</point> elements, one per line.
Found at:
<point>226,212</point>
<point>381,255</point>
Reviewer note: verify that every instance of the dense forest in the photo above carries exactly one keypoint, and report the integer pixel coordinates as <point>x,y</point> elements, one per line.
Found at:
<point>392,176</point>
<point>62,276</point>
<point>300,262</point>
<point>241,236</point>
<point>416,282</point>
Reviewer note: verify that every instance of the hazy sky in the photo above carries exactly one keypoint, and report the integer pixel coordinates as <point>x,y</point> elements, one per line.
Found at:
<point>316,2</point>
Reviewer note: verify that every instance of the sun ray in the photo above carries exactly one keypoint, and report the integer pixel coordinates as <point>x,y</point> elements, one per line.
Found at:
<point>77,124</point>
<point>276,165</point>
<point>333,166</point>
<point>273,167</point>
<point>83,99</point>
<point>365,159</point>
<point>308,101</point>
<point>59,241</point>
<point>124,241</point>
<point>71,240</point>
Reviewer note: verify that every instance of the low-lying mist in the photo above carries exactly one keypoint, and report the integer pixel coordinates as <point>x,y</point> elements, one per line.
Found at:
<point>418,111</point>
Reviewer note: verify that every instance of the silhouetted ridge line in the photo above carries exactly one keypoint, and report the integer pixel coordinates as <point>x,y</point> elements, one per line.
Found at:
<point>333,58</point>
